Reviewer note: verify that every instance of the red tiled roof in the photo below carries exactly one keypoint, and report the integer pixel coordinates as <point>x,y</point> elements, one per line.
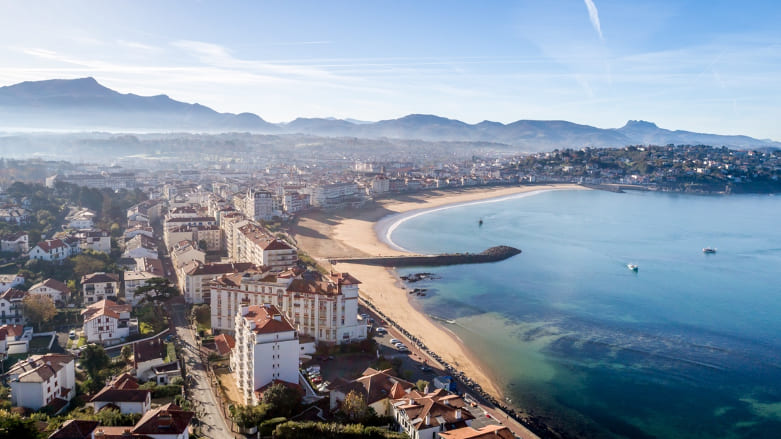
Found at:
<point>53,284</point>
<point>13,294</point>
<point>489,431</point>
<point>168,419</point>
<point>110,394</point>
<point>10,330</point>
<point>99,278</point>
<point>105,308</point>
<point>267,319</point>
<point>146,350</point>
<point>48,245</point>
<point>224,343</point>
<point>75,429</point>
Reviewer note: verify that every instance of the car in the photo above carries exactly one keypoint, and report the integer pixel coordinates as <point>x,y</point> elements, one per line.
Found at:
<point>317,379</point>
<point>72,334</point>
<point>425,368</point>
<point>394,341</point>
<point>381,330</point>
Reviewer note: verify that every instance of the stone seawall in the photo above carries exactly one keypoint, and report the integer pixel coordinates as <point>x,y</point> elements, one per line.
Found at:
<point>493,254</point>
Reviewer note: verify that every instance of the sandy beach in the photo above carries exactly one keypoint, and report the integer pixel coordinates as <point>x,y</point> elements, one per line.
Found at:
<point>354,233</point>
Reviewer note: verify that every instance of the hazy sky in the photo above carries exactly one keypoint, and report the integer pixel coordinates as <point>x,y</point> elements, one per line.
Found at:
<point>712,66</point>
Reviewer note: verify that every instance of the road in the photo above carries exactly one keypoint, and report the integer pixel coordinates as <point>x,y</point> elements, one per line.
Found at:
<point>201,394</point>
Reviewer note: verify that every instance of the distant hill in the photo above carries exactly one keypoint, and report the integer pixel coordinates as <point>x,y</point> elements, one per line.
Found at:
<point>84,104</point>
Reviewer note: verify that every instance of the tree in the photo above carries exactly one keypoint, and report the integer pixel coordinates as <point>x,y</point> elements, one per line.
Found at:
<point>202,244</point>
<point>355,407</point>
<point>157,289</point>
<point>282,399</point>
<point>38,309</point>
<point>14,425</point>
<point>201,314</point>
<point>126,352</point>
<point>89,263</point>
<point>421,385</point>
<point>93,360</point>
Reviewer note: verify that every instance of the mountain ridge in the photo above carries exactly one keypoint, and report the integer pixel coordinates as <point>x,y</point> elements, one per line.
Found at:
<point>84,103</point>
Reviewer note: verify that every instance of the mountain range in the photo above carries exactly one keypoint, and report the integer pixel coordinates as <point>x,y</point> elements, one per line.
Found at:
<point>84,104</point>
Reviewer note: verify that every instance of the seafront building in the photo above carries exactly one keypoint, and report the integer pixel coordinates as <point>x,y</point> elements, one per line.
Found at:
<point>324,307</point>
<point>266,350</point>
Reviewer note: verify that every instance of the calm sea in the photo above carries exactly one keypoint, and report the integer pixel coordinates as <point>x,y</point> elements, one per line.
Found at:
<point>687,347</point>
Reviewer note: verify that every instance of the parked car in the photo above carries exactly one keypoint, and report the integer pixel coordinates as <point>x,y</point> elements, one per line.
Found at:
<point>381,330</point>
<point>317,380</point>
<point>72,334</point>
<point>394,341</point>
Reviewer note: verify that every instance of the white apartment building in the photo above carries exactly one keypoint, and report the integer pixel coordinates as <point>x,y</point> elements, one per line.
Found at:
<point>133,281</point>
<point>106,322</point>
<point>53,289</point>
<point>323,307</point>
<point>254,244</point>
<point>295,202</point>
<point>258,205</point>
<point>266,349</point>
<point>185,252</point>
<point>194,278</point>
<point>95,240</point>
<point>333,194</point>
<point>43,380</point>
<point>99,286</point>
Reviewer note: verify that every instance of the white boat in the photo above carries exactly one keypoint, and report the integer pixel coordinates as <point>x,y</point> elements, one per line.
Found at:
<point>709,250</point>
<point>632,267</point>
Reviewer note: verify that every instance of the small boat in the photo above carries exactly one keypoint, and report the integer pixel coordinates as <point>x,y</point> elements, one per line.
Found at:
<point>480,222</point>
<point>632,267</point>
<point>709,250</point>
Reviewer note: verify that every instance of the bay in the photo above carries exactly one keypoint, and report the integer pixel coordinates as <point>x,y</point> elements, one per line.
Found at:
<point>687,346</point>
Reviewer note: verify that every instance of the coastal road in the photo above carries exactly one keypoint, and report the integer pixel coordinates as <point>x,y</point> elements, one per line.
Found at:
<point>201,394</point>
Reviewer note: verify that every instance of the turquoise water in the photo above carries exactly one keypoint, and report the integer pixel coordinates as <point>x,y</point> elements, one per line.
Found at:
<point>687,347</point>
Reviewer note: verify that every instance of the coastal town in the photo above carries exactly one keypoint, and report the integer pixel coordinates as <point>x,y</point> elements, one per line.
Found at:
<point>215,302</point>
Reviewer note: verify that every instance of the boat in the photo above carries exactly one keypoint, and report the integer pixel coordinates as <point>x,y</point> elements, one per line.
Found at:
<point>632,267</point>
<point>480,222</point>
<point>709,250</point>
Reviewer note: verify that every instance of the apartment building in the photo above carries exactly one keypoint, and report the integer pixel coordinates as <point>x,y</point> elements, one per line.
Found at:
<point>323,307</point>
<point>195,276</point>
<point>12,307</point>
<point>254,244</point>
<point>266,350</point>
<point>133,281</point>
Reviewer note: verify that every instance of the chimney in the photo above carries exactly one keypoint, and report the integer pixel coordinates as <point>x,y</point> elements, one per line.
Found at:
<point>426,389</point>
<point>428,419</point>
<point>100,434</point>
<point>244,309</point>
<point>458,413</point>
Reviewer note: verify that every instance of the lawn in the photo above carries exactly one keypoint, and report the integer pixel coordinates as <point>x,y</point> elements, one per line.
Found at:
<point>145,328</point>
<point>170,352</point>
<point>82,342</point>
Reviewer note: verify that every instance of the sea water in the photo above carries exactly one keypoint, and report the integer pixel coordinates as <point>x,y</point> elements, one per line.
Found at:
<point>689,346</point>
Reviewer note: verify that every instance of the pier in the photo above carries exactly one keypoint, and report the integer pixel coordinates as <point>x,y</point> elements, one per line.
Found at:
<point>493,254</point>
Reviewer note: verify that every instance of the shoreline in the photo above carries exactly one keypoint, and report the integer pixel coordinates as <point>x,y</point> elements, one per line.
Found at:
<point>359,233</point>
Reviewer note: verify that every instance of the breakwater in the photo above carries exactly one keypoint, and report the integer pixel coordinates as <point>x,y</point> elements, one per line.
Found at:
<point>493,254</point>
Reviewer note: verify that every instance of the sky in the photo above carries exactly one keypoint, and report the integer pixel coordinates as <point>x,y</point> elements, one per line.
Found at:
<point>708,66</point>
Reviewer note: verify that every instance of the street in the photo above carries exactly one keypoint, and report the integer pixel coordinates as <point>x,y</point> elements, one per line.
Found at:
<point>200,392</point>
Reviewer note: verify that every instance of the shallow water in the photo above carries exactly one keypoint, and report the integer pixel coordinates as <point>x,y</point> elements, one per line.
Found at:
<point>686,347</point>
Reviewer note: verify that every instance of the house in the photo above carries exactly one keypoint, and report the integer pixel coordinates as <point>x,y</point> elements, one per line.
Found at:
<point>138,230</point>
<point>378,387</point>
<point>166,422</point>
<point>487,432</point>
<point>140,246</point>
<point>8,281</point>
<point>8,335</point>
<point>423,415</point>
<point>15,242</point>
<point>133,281</point>
<point>166,372</point>
<point>146,355</point>
<point>99,286</point>
<point>83,219</point>
<point>224,344</point>
<point>15,215</point>
<point>52,288</point>
<point>150,265</point>
<point>43,380</point>
<point>12,307</point>
<point>266,350</point>
<point>76,429</point>
<point>123,394</point>
<point>52,250</point>
<point>106,322</point>
<point>95,240</point>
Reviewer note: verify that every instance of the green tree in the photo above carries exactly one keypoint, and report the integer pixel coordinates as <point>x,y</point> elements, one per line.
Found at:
<point>201,314</point>
<point>87,263</point>
<point>15,426</point>
<point>38,309</point>
<point>127,351</point>
<point>421,385</point>
<point>202,244</point>
<point>282,399</point>
<point>94,359</point>
<point>157,289</point>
